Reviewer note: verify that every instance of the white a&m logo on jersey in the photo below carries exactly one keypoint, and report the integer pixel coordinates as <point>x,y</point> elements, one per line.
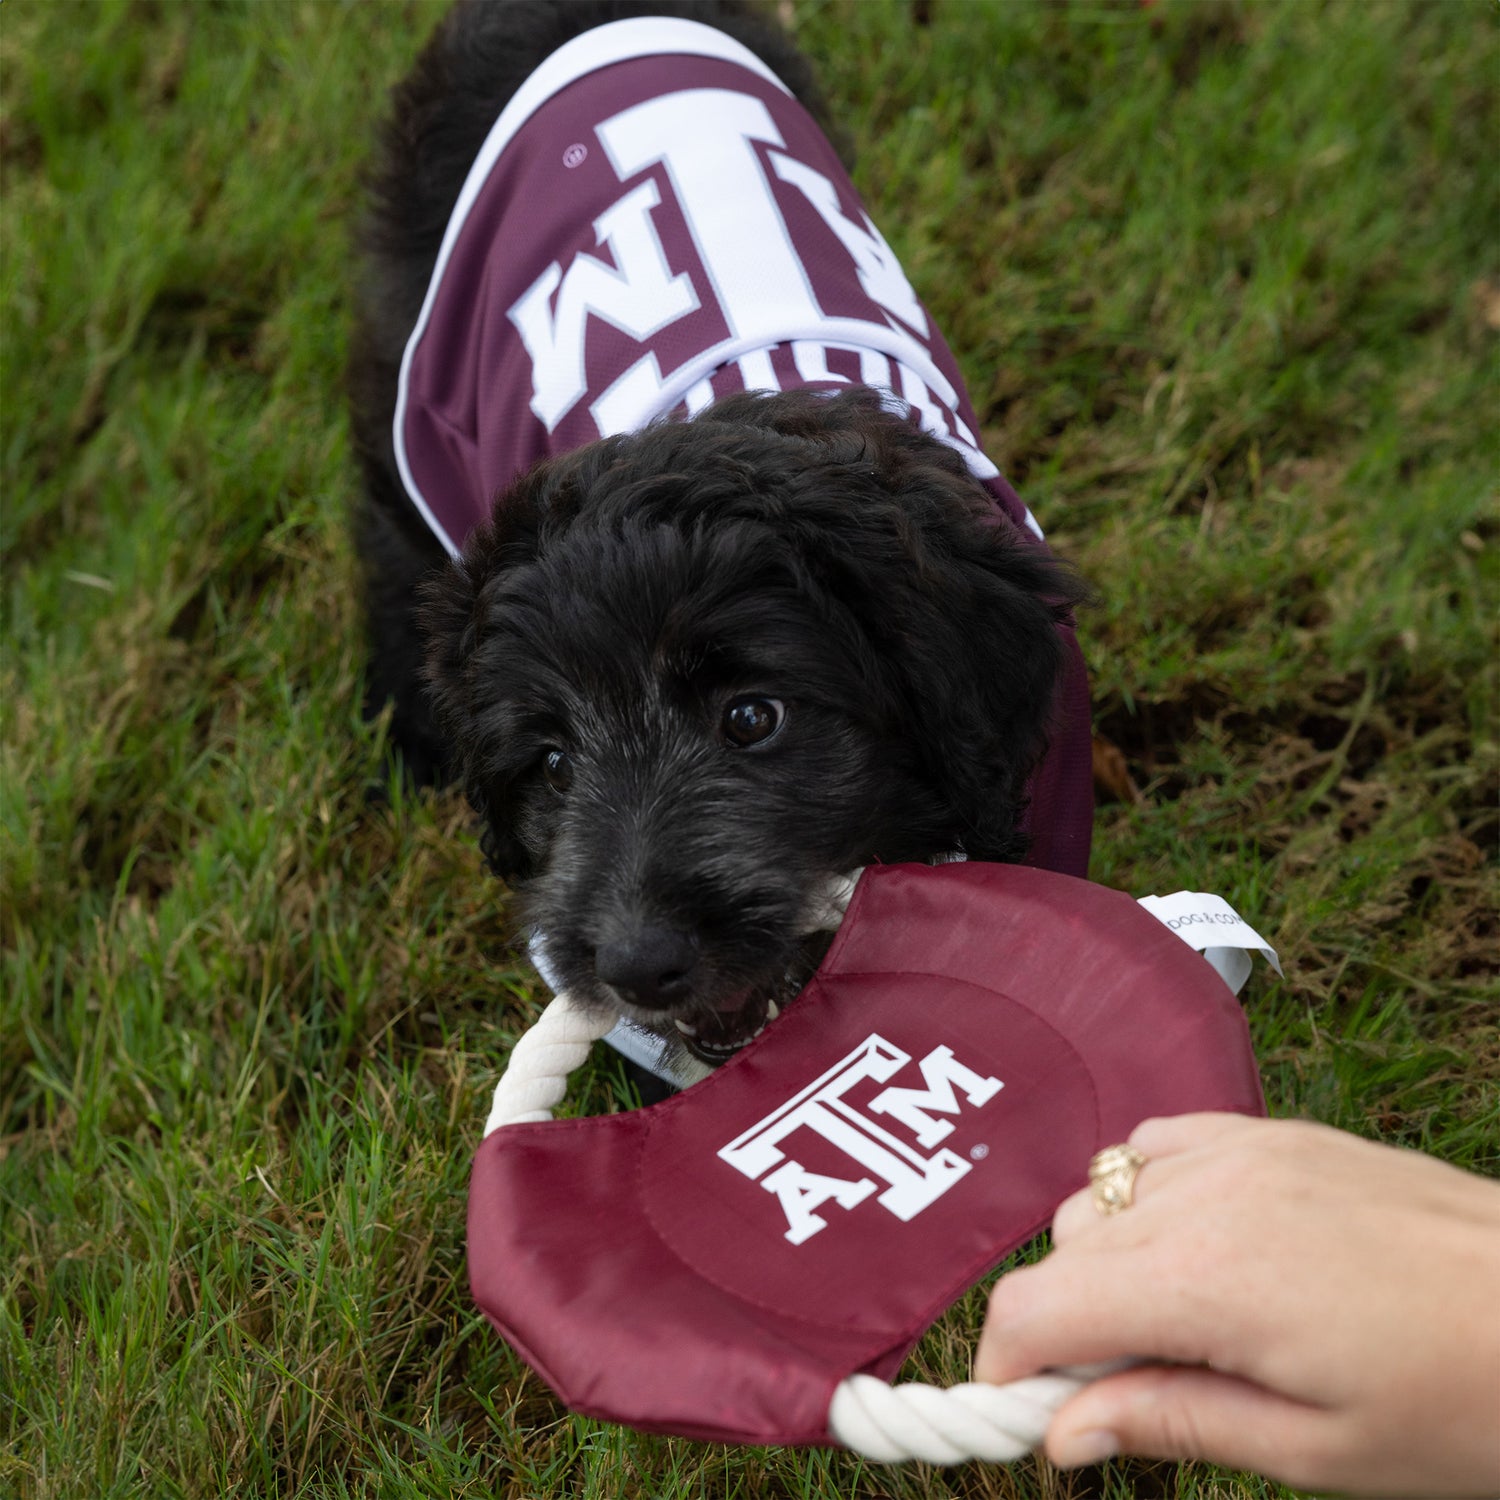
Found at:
<point>875,1154</point>
<point>705,142</point>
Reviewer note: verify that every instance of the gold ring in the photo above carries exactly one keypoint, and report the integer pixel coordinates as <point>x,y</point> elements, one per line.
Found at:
<point>1112,1175</point>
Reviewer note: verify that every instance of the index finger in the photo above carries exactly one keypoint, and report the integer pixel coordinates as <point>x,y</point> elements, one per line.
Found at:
<point>1082,1308</point>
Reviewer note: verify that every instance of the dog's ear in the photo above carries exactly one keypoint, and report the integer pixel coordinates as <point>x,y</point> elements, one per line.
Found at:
<point>962,613</point>
<point>463,609</point>
<point>969,640</point>
<point>452,623</point>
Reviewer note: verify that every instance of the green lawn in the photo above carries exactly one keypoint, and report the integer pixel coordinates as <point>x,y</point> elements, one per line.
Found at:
<point>1225,281</point>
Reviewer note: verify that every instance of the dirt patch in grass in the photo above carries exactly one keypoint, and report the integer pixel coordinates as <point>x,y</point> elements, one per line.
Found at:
<point>1348,721</point>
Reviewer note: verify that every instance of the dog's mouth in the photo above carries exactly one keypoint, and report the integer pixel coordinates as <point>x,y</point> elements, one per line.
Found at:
<point>716,1036</point>
<point>714,1033</point>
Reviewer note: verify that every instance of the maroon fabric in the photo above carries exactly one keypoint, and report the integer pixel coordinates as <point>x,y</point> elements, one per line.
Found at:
<point>1059,817</point>
<point>642,1266</point>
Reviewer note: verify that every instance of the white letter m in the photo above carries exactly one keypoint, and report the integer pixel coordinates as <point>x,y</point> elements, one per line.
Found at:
<point>940,1072</point>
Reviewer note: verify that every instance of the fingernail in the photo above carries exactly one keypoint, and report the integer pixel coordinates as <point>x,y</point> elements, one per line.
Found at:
<point>1091,1446</point>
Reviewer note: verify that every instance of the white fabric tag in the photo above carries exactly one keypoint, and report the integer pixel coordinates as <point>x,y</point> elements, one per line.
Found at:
<point>670,1063</point>
<point>1212,926</point>
<point>536,951</point>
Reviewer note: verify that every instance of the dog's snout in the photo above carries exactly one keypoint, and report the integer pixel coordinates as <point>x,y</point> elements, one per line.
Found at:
<point>650,967</point>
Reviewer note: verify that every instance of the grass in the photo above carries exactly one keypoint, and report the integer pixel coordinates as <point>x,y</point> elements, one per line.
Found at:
<point>1224,282</point>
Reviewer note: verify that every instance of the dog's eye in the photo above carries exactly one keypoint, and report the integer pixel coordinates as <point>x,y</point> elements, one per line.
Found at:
<point>752,721</point>
<point>557,770</point>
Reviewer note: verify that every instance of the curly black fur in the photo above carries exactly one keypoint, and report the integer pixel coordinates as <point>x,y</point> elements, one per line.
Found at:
<point>815,550</point>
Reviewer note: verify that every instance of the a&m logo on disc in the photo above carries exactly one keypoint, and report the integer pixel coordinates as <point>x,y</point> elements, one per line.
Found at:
<point>876,1155</point>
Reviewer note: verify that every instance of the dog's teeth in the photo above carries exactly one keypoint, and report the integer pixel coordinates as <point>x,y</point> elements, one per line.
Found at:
<point>685,1029</point>
<point>772,1011</point>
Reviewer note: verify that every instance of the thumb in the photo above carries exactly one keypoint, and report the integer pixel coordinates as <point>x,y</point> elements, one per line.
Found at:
<point>1173,1411</point>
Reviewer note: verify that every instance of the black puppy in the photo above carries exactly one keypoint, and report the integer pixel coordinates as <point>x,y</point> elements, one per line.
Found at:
<point>692,672</point>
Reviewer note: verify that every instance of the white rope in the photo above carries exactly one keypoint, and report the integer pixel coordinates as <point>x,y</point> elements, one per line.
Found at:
<point>536,1077</point>
<point>886,1423</point>
<point>893,1423</point>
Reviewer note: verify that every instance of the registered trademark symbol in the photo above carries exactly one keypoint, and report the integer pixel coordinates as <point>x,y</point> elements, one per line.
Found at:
<point>979,1152</point>
<point>575,155</point>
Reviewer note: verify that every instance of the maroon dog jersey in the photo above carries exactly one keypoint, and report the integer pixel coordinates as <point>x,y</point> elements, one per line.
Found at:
<point>652,223</point>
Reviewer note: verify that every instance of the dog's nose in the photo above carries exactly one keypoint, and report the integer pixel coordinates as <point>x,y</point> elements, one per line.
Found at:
<point>649,967</point>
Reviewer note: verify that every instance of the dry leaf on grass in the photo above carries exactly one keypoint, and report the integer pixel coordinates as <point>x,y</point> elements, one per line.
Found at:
<point>1112,779</point>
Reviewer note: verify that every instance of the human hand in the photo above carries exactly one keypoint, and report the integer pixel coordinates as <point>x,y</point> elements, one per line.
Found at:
<point>1326,1311</point>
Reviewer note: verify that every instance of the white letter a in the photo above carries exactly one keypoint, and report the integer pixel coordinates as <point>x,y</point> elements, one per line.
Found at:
<point>801,1191</point>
